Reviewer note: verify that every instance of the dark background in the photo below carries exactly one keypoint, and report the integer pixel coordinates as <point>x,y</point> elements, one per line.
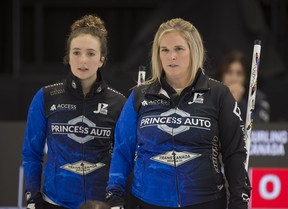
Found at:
<point>32,44</point>
<point>33,37</point>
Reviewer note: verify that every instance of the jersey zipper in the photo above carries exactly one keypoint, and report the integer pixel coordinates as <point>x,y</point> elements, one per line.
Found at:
<point>83,152</point>
<point>176,180</point>
<point>174,144</point>
<point>174,154</point>
<point>175,168</point>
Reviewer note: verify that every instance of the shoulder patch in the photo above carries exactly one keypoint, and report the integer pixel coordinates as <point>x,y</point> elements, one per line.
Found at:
<point>215,83</point>
<point>117,92</point>
<point>211,79</point>
<point>54,85</point>
<point>54,89</point>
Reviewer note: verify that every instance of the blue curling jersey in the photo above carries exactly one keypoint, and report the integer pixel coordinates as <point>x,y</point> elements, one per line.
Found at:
<point>79,132</point>
<point>172,144</point>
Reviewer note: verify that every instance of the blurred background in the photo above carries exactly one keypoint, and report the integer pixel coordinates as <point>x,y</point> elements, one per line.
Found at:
<point>34,32</point>
<point>33,40</point>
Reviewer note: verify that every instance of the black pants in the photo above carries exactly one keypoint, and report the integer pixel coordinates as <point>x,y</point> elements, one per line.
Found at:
<point>220,203</point>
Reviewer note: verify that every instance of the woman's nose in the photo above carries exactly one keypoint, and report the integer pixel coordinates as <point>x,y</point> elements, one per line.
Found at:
<point>83,58</point>
<point>173,56</point>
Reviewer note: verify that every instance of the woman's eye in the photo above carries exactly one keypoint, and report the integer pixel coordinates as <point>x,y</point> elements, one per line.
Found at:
<point>76,53</point>
<point>179,49</point>
<point>164,50</point>
<point>90,54</point>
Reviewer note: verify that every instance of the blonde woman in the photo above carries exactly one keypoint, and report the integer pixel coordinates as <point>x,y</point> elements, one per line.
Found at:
<point>172,130</point>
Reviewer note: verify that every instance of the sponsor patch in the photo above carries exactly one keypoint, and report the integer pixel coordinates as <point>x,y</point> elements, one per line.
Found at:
<point>55,107</point>
<point>102,109</point>
<point>175,121</point>
<point>198,98</point>
<point>82,167</point>
<point>81,129</point>
<point>174,158</point>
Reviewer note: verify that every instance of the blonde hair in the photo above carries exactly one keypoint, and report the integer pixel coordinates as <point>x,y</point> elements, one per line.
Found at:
<point>88,24</point>
<point>194,41</point>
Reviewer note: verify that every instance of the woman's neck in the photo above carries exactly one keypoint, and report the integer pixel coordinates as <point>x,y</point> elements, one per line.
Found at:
<point>87,84</point>
<point>178,90</point>
<point>178,85</point>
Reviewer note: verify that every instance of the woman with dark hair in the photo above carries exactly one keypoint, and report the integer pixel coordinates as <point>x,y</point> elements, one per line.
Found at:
<point>76,118</point>
<point>233,72</point>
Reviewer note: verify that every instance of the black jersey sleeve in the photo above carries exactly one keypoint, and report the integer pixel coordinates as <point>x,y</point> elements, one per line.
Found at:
<point>231,127</point>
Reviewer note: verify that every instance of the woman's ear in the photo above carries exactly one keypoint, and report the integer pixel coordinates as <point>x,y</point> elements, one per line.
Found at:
<point>102,59</point>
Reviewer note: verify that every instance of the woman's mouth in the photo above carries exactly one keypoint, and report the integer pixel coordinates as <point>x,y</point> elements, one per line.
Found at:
<point>82,69</point>
<point>173,65</point>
